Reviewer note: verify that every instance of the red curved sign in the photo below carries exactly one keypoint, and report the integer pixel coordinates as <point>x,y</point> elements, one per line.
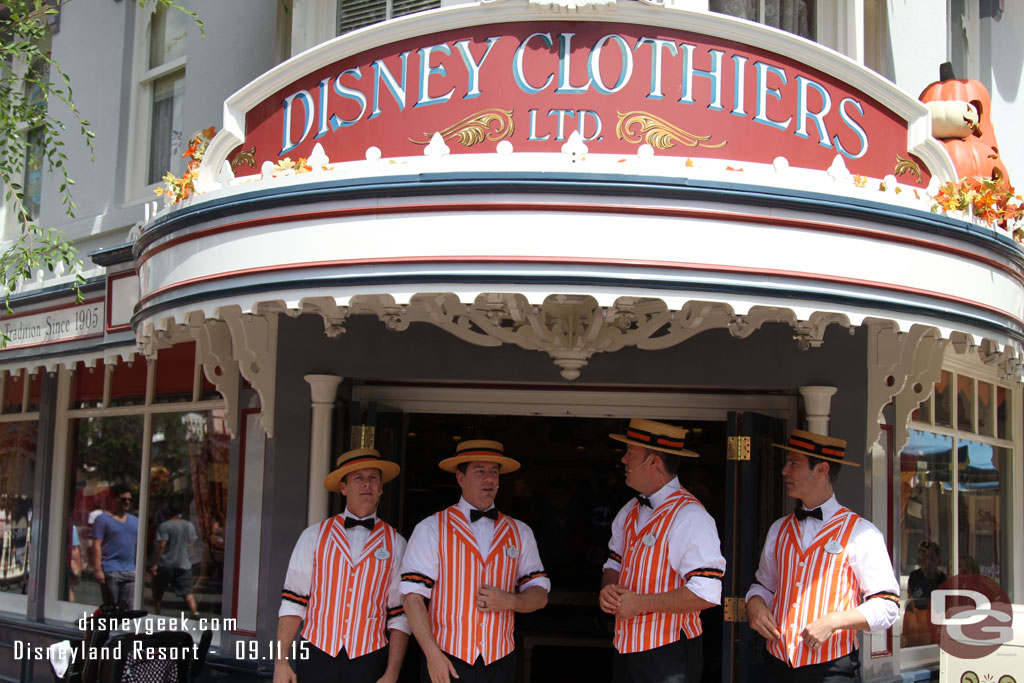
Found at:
<point>619,85</point>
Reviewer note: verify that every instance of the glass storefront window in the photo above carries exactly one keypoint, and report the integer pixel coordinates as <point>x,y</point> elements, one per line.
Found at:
<point>187,513</point>
<point>986,425</point>
<point>965,403</point>
<point>943,409</point>
<point>17,480</point>
<point>926,488</point>
<point>105,451</point>
<point>1003,401</point>
<point>983,491</point>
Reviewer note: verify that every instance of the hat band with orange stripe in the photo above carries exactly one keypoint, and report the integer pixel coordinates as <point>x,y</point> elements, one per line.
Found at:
<point>480,450</point>
<point>814,448</point>
<point>653,439</point>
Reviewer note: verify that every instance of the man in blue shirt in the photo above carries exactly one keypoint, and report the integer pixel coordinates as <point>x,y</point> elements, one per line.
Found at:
<point>114,536</point>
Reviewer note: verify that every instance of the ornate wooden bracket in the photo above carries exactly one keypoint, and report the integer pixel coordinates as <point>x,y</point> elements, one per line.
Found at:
<point>254,346</point>
<point>569,328</point>
<point>214,348</point>
<point>902,367</point>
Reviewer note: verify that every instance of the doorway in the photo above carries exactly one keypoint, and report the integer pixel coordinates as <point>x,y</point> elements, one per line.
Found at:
<point>569,490</point>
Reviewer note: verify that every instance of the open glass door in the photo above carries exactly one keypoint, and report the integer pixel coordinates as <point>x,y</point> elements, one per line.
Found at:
<point>754,499</point>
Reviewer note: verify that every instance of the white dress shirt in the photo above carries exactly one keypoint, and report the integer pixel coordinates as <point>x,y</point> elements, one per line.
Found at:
<point>300,569</point>
<point>869,561</point>
<point>421,557</point>
<point>693,542</point>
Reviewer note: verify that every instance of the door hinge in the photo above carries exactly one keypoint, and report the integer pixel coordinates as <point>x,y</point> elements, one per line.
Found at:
<point>362,436</point>
<point>735,609</point>
<point>739,448</point>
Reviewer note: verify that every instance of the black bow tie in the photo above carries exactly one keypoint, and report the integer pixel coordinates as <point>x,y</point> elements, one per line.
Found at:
<point>474,515</point>
<point>352,522</point>
<point>802,514</point>
<point>644,500</point>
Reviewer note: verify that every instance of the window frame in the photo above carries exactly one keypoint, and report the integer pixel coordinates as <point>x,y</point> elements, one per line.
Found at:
<point>970,366</point>
<point>55,606</point>
<point>141,106</point>
<point>12,602</point>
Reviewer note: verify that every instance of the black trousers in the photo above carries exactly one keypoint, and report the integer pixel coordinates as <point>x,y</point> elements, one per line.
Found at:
<point>842,670</point>
<point>500,671</point>
<point>320,666</point>
<point>678,662</point>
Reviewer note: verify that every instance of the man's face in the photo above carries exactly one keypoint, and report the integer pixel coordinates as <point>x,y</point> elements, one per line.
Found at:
<point>639,466</point>
<point>801,481</point>
<point>479,483</point>
<point>124,502</point>
<point>362,489</point>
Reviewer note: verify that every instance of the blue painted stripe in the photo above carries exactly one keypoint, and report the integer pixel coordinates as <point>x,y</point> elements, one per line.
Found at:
<point>603,185</point>
<point>440,282</point>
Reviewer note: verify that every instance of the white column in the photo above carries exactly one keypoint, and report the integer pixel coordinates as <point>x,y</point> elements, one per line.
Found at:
<point>323,389</point>
<point>818,404</point>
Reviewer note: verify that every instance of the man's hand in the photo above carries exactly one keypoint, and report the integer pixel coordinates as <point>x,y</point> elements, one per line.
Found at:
<point>629,603</point>
<point>491,599</point>
<point>609,599</point>
<point>761,619</point>
<point>283,672</point>
<point>439,667</point>
<point>98,575</point>
<point>818,631</point>
<point>386,678</point>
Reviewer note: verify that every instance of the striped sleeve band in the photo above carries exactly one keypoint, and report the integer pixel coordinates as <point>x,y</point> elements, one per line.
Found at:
<point>884,595</point>
<point>295,597</point>
<point>531,577</point>
<point>396,611</point>
<point>418,578</point>
<point>706,572</point>
<point>614,556</point>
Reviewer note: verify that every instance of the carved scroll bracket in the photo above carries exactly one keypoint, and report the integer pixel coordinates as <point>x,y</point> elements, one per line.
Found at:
<point>902,368</point>
<point>214,349</point>
<point>254,346</point>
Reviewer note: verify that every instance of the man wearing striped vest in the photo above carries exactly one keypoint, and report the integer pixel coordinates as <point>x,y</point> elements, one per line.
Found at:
<point>477,567</point>
<point>824,573</point>
<point>342,582</point>
<point>665,563</point>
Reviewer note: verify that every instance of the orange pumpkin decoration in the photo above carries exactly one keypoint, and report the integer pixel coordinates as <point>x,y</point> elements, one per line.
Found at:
<point>978,153</point>
<point>974,158</point>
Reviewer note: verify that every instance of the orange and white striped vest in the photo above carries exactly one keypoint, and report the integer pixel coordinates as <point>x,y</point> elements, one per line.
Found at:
<point>348,596</point>
<point>646,569</point>
<point>460,628</point>
<point>812,583</point>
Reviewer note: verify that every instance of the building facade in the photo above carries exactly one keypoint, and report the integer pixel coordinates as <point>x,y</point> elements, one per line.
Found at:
<point>412,224</point>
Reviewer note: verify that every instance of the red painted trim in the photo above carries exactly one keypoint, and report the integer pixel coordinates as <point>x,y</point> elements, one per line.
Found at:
<point>704,214</point>
<point>887,434</point>
<point>110,297</point>
<point>762,272</point>
<point>242,434</point>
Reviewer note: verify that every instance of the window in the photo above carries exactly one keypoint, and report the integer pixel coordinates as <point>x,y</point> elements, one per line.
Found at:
<point>353,14</point>
<point>35,139</point>
<point>152,433</point>
<point>955,482</point>
<point>19,397</point>
<point>160,96</point>
<point>794,16</point>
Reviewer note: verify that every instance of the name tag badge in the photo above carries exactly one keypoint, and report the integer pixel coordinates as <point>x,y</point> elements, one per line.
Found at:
<point>512,551</point>
<point>649,540</point>
<point>381,554</point>
<point>833,548</point>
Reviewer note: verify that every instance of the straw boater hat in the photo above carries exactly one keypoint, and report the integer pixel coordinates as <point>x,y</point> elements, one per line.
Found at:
<point>480,450</point>
<point>358,459</point>
<point>656,436</point>
<point>817,446</point>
